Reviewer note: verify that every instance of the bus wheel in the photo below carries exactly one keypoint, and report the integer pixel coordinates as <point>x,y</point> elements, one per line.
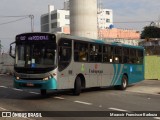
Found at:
<point>77,86</point>
<point>124,82</point>
<point>43,91</point>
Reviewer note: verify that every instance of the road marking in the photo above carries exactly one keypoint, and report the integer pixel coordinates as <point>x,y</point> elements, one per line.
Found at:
<point>34,93</point>
<point>117,109</point>
<point>3,86</point>
<point>141,92</point>
<point>61,98</point>
<point>2,108</point>
<point>157,118</point>
<point>17,89</point>
<point>81,102</point>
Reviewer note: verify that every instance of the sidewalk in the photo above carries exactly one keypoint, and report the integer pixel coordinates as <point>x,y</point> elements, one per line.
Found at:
<point>146,86</point>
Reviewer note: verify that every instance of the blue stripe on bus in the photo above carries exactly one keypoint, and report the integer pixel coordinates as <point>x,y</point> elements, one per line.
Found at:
<point>118,70</point>
<point>99,41</point>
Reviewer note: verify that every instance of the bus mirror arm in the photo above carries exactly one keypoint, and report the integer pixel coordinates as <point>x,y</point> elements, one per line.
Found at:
<point>10,51</point>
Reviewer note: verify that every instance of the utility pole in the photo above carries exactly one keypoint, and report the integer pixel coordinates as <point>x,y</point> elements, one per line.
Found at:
<point>32,22</point>
<point>0,47</point>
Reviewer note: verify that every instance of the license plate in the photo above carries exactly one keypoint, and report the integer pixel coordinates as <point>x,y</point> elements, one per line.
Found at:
<point>30,84</point>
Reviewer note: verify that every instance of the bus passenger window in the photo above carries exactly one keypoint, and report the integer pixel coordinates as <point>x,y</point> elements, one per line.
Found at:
<point>83,55</point>
<point>80,51</point>
<point>125,55</point>
<point>133,56</point>
<point>65,53</point>
<point>118,54</point>
<point>95,53</point>
<point>140,56</point>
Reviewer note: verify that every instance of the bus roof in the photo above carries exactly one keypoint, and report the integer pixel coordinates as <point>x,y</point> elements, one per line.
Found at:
<point>99,41</point>
<point>87,39</point>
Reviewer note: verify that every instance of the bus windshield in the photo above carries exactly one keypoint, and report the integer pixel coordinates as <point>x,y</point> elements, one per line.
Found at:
<point>36,55</point>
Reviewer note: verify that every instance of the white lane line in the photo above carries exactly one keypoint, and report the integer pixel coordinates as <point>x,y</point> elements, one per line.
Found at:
<point>117,109</point>
<point>34,93</point>
<point>157,118</point>
<point>17,89</point>
<point>2,108</point>
<point>3,86</point>
<point>81,102</point>
<point>61,98</point>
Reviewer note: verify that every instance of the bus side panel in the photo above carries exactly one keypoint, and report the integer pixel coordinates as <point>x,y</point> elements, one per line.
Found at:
<point>136,73</point>
<point>117,75</point>
<point>108,74</point>
<point>66,78</point>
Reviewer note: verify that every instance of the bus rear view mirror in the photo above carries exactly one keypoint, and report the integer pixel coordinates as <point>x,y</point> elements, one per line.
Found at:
<point>12,51</point>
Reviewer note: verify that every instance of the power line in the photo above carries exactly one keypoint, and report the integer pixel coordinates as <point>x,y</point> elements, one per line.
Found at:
<point>134,22</point>
<point>22,17</point>
<point>13,21</point>
<point>2,16</point>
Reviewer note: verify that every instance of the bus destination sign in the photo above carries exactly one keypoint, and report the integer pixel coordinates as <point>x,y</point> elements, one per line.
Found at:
<point>44,37</point>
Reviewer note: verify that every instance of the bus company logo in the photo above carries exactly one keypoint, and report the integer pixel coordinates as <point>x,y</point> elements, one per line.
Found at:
<point>96,66</point>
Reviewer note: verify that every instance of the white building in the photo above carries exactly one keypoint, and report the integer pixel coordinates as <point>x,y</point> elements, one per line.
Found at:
<point>55,20</point>
<point>105,18</point>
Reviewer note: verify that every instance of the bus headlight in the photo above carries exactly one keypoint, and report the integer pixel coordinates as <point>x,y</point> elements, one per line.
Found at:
<point>17,78</point>
<point>47,78</point>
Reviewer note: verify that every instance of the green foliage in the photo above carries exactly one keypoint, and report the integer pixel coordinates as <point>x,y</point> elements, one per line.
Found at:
<point>150,32</point>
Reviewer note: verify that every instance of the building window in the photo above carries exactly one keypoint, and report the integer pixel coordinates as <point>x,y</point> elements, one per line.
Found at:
<point>45,19</point>
<point>67,17</point>
<point>45,28</point>
<point>107,12</point>
<point>54,25</point>
<point>108,20</point>
<point>54,16</point>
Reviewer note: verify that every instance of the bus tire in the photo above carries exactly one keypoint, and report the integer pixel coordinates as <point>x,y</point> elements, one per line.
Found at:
<point>124,82</point>
<point>43,92</point>
<point>77,87</point>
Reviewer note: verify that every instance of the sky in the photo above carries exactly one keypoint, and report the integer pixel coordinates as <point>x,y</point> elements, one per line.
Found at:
<point>123,11</point>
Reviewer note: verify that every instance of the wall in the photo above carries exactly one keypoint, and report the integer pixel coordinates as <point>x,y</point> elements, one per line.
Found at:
<point>152,67</point>
<point>111,33</point>
<point>119,33</point>
<point>6,64</point>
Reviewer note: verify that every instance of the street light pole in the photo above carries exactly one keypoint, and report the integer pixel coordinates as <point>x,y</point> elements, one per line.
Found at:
<point>32,22</point>
<point>0,47</point>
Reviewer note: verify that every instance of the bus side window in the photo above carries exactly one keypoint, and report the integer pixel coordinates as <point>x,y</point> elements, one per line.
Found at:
<point>140,56</point>
<point>111,54</point>
<point>105,54</point>
<point>125,55</point>
<point>65,53</point>
<point>132,56</point>
<point>95,53</point>
<point>118,55</point>
<point>80,51</point>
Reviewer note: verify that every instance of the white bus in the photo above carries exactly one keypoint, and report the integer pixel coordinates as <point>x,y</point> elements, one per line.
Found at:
<point>57,61</point>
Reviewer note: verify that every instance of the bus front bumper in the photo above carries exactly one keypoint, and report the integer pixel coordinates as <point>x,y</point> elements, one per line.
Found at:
<point>35,84</point>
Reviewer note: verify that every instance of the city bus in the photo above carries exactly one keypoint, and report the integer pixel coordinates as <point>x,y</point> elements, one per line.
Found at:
<point>58,61</point>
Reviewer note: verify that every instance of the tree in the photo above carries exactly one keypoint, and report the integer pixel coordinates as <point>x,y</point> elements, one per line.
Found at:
<point>150,32</point>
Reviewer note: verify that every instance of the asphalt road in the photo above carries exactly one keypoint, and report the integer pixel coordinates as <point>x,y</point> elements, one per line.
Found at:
<point>140,97</point>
